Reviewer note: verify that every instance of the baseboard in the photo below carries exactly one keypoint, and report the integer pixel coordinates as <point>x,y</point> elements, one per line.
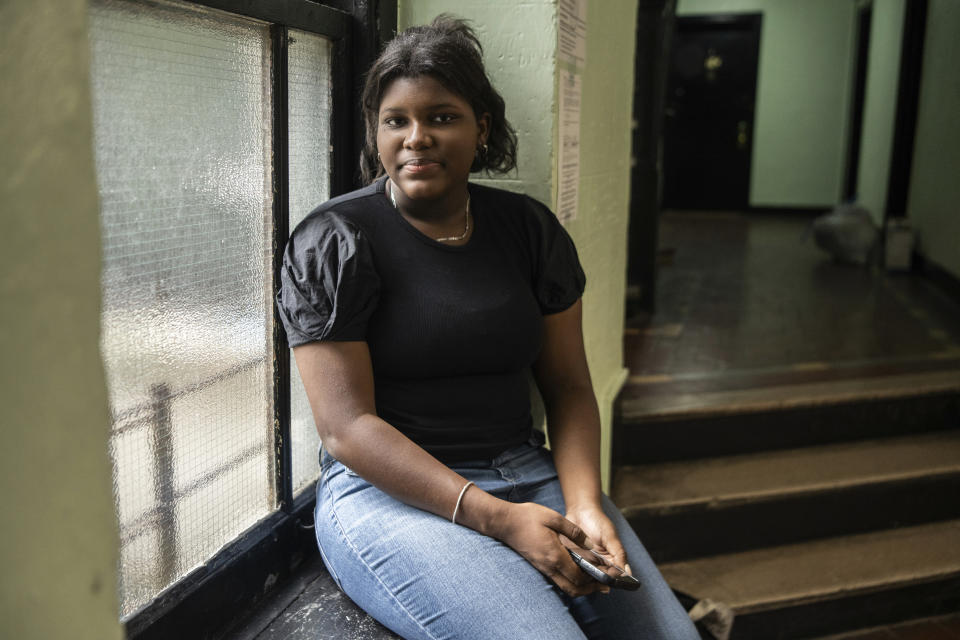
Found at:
<point>801,211</point>
<point>607,414</point>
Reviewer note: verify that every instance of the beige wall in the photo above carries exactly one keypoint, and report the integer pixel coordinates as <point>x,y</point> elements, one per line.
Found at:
<point>58,540</point>
<point>934,199</point>
<point>600,229</point>
<point>520,54</point>
<point>803,97</point>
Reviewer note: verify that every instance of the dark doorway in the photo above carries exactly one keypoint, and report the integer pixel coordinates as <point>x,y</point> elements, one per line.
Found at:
<point>908,100</point>
<point>708,125</point>
<point>654,28</point>
<point>864,17</point>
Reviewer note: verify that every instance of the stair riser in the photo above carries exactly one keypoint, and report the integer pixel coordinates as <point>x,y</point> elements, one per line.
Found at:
<point>647,441</point>
<point>683,533</point>
<point>851,612</point>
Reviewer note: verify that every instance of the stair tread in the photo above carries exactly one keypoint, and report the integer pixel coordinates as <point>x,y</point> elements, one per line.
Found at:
<point>776,577</point>
<point>654,406</point>
<point>736,479</point>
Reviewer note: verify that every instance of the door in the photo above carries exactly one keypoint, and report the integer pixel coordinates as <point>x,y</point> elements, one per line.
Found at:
<point>864,19</point>
<point>651,64</point>
<point>708,124</point>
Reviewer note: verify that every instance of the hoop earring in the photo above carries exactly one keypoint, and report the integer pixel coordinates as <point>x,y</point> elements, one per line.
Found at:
<point>482,151</point>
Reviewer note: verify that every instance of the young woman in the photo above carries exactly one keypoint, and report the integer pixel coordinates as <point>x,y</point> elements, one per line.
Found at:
<point>416,307</point>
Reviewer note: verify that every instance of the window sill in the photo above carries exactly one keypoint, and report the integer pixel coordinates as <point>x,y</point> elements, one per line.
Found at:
<point>269,584</point>
<point>309,605</point>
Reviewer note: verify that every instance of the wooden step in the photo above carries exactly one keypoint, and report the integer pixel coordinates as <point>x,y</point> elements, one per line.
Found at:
<point>754,399</point>
<point>790,495</point>
<point>832,584</point>
<point>737,479</point>
<point>665,427</point>
<point>946,627</point>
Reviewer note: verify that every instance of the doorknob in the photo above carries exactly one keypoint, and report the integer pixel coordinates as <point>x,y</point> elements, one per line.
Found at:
<point>742,134</point>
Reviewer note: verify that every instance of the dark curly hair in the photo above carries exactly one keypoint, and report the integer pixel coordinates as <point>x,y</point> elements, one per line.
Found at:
<point>447,50</point>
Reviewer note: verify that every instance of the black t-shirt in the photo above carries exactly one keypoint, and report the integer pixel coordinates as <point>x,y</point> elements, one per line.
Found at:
<point>452,331</point>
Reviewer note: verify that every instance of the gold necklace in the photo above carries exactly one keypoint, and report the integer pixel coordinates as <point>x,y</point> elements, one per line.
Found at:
<point>466,217</point>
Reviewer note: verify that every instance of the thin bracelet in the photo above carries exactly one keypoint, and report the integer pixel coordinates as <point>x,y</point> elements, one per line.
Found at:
<point>460,498</point>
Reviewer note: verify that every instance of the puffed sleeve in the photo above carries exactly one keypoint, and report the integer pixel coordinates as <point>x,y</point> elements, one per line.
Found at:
<point>558,277</point>
<point>328,283</point>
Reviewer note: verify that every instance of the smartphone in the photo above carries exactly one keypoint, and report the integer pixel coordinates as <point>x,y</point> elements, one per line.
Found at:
<point>622,581</point>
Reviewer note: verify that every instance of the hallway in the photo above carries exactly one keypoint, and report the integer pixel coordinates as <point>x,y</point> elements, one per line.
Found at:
<point>748,301</point>
<point>788,422</point>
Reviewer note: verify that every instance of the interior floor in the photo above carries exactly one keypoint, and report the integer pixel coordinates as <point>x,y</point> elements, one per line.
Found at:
<point>749,302</point>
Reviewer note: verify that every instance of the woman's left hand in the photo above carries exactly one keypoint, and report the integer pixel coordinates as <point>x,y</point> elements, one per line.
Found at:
<point>599,528</point>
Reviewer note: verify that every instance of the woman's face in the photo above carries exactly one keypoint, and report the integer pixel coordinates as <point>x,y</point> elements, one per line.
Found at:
<point>427,138</point>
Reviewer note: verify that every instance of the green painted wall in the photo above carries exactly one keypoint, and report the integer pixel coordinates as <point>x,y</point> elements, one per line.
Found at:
<point>519,41</point>
<point>880,105</point>
<point>934,198</point>
<point>803,97</point>
<point>520,54</point>
<point>58,541</point>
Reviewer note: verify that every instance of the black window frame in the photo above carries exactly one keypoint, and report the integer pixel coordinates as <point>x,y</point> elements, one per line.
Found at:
<point>208,600</point>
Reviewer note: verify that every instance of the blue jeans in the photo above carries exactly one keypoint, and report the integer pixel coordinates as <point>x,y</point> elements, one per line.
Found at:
<point>424,577</point>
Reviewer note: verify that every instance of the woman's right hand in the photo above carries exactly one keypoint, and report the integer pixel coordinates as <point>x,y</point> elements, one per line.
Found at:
<point>534,531</point>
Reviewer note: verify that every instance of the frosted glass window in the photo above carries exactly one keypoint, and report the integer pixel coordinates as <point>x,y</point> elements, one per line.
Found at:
<point>182,129</point>
<point>309,113</point>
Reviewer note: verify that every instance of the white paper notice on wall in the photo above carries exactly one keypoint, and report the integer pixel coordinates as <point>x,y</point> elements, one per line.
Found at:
<point>572,31</point>
<point>572,56</point>
<point>568,159</point>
